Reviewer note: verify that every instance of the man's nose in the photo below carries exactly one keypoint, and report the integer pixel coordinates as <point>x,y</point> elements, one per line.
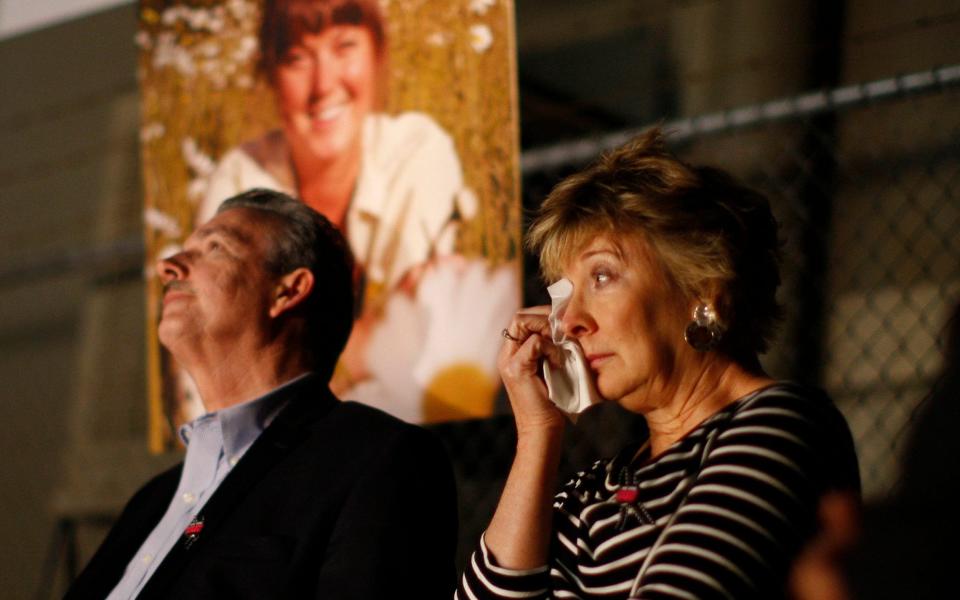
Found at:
<point>172,268</point>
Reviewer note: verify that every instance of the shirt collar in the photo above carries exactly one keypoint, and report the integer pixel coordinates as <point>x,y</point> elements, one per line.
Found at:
<point>241,424</point>
<point>371,187</point>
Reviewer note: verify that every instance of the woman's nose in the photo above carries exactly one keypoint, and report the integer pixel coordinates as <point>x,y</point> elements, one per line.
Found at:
<point>324,74</point>
<point>574,318</point>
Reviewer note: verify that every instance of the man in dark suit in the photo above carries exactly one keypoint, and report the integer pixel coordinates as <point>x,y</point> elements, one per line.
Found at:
<point>285,491</point>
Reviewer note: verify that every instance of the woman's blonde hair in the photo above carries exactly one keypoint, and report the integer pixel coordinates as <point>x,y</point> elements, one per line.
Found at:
<point>715,238</point>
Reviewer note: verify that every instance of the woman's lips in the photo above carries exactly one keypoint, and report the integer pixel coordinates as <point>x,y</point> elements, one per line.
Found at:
<point>596,359</point>
<point>328,114</point>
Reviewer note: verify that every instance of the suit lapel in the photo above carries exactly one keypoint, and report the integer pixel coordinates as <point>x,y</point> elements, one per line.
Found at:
<point>309,400</point>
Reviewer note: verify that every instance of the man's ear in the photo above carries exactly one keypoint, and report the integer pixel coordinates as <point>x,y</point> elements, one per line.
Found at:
<point>291,290</point>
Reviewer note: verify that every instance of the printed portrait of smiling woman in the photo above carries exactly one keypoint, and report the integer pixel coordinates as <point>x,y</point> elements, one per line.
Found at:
<point>393,183</point>
<point>326,84</point>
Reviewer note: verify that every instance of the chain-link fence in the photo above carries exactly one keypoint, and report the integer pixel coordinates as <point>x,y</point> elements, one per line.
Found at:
<point>865,183</point>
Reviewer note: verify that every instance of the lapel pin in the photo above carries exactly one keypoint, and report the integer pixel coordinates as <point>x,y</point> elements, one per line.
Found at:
<point>192,532</point>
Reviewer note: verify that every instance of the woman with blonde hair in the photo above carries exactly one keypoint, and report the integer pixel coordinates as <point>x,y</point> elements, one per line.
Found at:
<point>668,274</point>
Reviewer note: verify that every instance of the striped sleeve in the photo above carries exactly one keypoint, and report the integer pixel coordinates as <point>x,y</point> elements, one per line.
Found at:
<point>752,504</point>
<point>484,579</point>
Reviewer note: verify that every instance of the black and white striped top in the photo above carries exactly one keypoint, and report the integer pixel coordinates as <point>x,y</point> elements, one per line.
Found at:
<point>720,514</point>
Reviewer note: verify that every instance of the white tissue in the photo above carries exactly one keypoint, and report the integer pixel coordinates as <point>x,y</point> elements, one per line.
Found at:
<point>570,387</point>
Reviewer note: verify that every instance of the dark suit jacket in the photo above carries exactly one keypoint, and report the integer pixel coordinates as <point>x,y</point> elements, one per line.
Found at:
<point>333,500</point>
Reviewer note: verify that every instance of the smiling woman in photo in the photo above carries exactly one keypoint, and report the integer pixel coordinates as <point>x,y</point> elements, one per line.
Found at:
<point>392,183</point>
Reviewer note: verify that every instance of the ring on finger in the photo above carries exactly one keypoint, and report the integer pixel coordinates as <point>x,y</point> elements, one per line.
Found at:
<point>506,334</point>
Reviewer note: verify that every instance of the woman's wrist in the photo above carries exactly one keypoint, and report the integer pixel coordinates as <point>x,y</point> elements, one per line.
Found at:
<point>533,412</point>
<point>543,442</point>
<point>541,430</point>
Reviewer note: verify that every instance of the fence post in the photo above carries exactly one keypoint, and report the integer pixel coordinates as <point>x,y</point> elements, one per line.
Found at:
<point>816,193</point>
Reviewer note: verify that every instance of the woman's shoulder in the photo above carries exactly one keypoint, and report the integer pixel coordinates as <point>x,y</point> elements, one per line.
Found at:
<point>404,135</point>
<point>259,162</point>
<point>793,416</point>
<point>256,157</point>
<point>409,156</point>
<point>784,404</point>
<point>267,149</point>
<point>237,157</point>
<point>406,124</point>
<point>788,396</point>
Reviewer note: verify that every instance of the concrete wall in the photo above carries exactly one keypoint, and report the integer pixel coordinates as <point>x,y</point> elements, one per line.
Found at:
<point>71,326</point>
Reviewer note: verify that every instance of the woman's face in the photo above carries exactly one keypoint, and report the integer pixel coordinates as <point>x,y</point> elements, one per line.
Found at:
<point>326,85</point>
<point>628,318</point>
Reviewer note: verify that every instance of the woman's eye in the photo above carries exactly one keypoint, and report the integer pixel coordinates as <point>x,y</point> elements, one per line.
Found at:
<point>601,277</point>
<point>346,43</point>
<point>294,57</point>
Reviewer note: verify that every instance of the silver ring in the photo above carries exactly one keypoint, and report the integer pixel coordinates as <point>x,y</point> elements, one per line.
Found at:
<point>506,334</point>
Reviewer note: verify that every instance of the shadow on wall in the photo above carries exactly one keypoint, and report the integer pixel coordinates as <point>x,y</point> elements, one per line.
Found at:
<point>908,544</point>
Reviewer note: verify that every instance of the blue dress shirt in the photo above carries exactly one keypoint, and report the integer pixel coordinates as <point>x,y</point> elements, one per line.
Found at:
<point>215,443</point>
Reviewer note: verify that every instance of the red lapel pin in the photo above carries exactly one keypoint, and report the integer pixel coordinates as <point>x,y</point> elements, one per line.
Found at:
<point>192,532</point>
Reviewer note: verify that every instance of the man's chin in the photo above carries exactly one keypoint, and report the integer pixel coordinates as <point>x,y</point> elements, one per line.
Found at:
<point>170,334</point>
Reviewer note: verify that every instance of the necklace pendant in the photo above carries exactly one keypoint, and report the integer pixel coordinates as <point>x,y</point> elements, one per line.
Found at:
<point>627,494</point>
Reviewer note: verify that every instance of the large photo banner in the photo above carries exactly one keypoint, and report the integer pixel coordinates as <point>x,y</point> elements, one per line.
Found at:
<point>397,120</point>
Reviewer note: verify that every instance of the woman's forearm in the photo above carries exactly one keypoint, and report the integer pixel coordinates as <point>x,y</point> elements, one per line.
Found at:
<point>519,533</point>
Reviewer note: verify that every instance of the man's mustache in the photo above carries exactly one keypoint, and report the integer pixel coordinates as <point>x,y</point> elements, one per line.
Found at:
<point>177,285</point>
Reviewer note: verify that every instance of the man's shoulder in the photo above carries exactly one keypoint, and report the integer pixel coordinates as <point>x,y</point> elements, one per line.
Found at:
<point>362,422</point>
<point>359,410</point>
<point>319,433</point>
<point>362,429</point>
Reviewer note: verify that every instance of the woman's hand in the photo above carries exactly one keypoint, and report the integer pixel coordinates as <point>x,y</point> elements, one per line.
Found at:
<point>520,368</point>
<point>519,533</point>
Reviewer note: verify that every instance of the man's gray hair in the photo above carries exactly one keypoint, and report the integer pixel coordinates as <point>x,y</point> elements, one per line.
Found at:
<point>302,237</point>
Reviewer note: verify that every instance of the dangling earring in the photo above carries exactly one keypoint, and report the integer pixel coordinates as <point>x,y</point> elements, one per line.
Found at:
<point>703,333</point>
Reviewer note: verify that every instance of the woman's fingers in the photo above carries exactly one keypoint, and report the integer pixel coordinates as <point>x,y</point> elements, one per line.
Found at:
<point>553,354</point>
<point>532,323</point>
<point>528,342</point>
<point>524,358</point>
<point>529,321</point>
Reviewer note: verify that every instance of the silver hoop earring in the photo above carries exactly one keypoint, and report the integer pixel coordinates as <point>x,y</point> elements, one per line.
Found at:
<point>703,333</point>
